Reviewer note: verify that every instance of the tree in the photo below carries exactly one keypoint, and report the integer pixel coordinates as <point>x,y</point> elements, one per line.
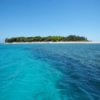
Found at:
<point>48,38</point>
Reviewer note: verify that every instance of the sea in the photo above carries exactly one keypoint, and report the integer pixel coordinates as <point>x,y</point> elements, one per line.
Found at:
<point>50,71</point>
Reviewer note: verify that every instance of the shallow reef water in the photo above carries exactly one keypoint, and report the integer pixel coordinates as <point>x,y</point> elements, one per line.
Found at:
<point>50,71</point>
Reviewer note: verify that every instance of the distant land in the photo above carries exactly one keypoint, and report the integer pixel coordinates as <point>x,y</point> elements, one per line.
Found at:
<point>47,39</point>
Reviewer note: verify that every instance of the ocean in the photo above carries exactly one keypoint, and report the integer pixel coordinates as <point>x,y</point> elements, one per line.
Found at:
<point>50,71</point>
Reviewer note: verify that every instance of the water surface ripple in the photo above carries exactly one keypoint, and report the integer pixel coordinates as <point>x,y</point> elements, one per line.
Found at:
<point>50,72</point>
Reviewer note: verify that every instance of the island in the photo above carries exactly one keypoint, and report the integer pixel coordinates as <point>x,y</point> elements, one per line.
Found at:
<point>69,38</point>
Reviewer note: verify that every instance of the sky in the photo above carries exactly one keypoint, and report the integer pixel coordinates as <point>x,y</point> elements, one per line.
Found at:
<point>50,17</point>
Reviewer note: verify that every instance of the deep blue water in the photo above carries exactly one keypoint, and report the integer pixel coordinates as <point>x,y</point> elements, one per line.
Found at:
<point>50,72</point>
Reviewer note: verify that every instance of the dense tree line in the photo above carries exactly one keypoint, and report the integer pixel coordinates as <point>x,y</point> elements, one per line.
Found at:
<point>46,39</point>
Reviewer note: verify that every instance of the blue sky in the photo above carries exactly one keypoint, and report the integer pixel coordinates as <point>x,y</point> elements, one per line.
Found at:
<point>50,17</point>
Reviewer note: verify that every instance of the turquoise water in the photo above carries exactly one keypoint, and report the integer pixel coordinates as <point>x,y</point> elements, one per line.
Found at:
<point>50,72</point>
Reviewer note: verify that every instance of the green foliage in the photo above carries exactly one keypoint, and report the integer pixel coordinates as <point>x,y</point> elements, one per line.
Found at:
<point>48,38</point>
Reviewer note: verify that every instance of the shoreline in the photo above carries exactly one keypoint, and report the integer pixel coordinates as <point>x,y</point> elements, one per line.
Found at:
<point>71,42</point>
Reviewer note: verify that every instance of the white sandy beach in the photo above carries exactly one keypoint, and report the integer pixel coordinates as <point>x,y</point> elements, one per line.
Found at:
<point>72,42</point>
